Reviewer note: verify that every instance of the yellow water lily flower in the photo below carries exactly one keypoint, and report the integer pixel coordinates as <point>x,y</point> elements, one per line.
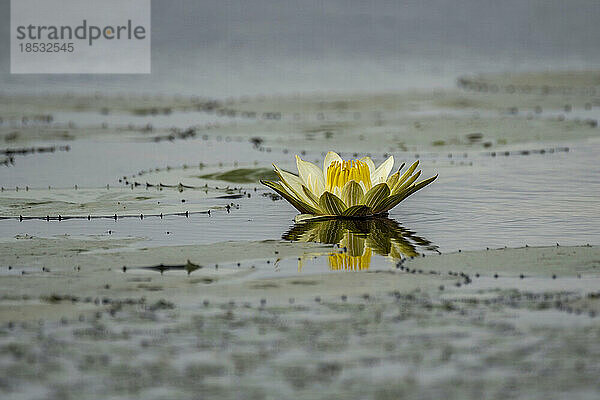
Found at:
<point>353,188</point>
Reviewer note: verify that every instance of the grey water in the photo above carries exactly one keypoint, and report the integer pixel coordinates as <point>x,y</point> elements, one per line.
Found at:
<point>233,48</point>
<point>536,199</point>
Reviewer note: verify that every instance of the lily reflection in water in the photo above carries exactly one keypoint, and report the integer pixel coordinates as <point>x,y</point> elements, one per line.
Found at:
<point>358,239</point>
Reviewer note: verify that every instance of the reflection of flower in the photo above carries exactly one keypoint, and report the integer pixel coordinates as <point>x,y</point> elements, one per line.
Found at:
<point>352,188</point>
<point>358,239</point>
<point>355,257</point>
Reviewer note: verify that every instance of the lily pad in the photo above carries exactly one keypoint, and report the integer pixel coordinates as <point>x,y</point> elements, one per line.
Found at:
<point>242,175</point>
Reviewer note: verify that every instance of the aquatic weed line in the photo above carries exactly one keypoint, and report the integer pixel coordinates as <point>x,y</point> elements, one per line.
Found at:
<point>90,217</point>
<point>543,84</point>
<point>11,153</point>
<point>227,208</point>
<point>34,193</point>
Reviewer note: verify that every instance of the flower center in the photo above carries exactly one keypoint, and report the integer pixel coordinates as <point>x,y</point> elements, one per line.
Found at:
<point>340,173</point>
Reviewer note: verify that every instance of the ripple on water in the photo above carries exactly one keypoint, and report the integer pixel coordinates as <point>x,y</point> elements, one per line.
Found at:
<point>539,199</point>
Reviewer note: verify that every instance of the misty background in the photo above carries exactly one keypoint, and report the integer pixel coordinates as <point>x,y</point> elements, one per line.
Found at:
<point>233,48</point>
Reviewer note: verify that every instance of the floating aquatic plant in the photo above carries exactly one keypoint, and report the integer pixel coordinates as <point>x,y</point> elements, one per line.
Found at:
<point>351,189</point>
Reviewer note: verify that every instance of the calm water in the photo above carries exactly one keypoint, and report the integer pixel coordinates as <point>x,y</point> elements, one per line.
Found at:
<point>536,199</point>
<point>233,48</point>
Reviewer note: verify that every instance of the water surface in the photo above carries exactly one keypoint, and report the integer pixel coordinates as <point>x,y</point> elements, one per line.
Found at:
<point>478,202</point>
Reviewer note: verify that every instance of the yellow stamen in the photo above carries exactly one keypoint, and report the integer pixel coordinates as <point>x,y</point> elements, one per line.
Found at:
<point>340,173</point>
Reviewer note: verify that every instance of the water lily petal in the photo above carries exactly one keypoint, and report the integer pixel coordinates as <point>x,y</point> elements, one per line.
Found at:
<point>357,211</point>
<point>422,184</point>
<point>370,163</point>
<point>337,191</point>
<point>329,158</point>
<point>310,217</point>
<point>311,176</point>
<point>293,200</point>
<point>405,176</point>
<point>400,188</point>
<point>303,217</point>
<point>363,187</point>
<point>395,199</point>
<point>331,204</point>
<point>389,203</point>
<point>380,175</point>
<point>311,196</point>
<point>352,193</point>
<point>376,195</point>
<point>393,179</point>
<point>287,176</point>
<point>294,185</point>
